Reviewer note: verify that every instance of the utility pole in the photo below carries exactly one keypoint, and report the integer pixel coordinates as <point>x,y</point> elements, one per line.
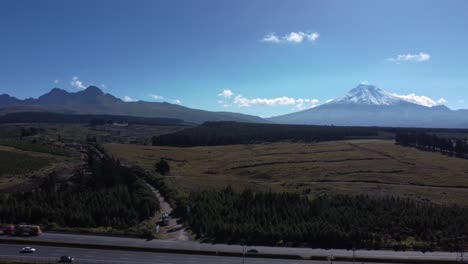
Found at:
<point>462,249</point>
<point>354,252</point>
<point>243,253</point>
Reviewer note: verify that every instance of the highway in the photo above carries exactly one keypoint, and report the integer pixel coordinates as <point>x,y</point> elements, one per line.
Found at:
<point>194,245</point>
<point>52,254</point>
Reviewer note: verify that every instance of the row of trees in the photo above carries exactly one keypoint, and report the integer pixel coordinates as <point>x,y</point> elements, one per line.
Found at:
<point>109,196</point>
<point>48,117</point>
<point>327,221</point>
<point>434,143</point>
<point>226,133</point>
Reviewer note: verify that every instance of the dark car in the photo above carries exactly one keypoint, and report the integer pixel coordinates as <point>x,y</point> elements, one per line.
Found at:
<point>252,251</point>
<point>66,259</point>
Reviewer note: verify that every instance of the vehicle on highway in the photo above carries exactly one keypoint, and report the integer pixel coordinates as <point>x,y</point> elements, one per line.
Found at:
<point>66,259</point>
<point>27,230</point>
<point>7,230</point>
<point>28,250</point>
<point>252,251</point>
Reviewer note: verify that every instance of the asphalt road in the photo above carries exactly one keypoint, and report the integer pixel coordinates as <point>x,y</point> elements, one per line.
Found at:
<point>52,254</point>
<point>194,245</point>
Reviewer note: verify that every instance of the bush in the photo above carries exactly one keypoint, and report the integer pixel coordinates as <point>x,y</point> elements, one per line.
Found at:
<point>162,167</point>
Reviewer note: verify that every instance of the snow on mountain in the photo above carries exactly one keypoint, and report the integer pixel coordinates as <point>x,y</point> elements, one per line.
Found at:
<point>421,100</point>
<point>366,94</point>
<point>367,105</point>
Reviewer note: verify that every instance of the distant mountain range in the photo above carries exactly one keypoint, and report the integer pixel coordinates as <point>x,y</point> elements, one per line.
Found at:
<point>94,101</point>
<point>365,105</point>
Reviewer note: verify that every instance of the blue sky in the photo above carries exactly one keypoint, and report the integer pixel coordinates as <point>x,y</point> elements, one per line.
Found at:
<point>274,56</point>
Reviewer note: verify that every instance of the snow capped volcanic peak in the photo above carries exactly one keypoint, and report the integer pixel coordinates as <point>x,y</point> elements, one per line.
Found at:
<point>366,94</point>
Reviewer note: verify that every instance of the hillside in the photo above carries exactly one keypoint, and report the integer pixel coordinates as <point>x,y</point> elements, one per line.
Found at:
<point>49,117</point>
<point>94,101</point>
<point>374,167</point>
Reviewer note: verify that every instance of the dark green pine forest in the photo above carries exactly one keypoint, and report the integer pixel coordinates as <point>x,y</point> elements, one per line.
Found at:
<point>108,195</point>
<point>432,142</point>
<point>340,221</point>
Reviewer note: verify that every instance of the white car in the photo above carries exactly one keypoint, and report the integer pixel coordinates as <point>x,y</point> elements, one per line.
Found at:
<point>28,250</point>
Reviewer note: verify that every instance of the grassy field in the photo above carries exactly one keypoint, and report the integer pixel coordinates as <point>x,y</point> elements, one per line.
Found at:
<point>24,158</point>
<point>12,163</point>
<point>375,167</point>
<point>18,167</point>
<point>137,134</point>
<point>140,134</point>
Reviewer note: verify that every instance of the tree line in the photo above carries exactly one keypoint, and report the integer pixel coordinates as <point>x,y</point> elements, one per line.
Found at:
<point>340,221</point>
<point>433,142</point>
<point>49,117</point>
<point>227,133</point>
<point>109,195</point>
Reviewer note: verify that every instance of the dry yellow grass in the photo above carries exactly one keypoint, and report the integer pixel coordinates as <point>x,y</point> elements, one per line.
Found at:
<point>8,180</point>
<point>376,167</point>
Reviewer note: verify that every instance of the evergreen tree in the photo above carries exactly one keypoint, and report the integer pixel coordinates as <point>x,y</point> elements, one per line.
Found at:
<point>162,167</point>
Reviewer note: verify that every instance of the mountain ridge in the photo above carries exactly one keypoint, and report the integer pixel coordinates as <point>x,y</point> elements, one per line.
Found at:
<point>364,105</point>
<point>93,100</point>
<point>367,105</point>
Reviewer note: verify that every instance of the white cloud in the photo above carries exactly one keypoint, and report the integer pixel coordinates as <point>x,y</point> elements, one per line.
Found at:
<point>159,97</point>
<point>225,104</point>
<point>271,38</point>
<point>299,103</point>
<point>56,81</point>
<point>156,97</point>
<point>227,93</point>
<point>313,36</point>
<point>418,57</point>
<point>241,101</point>
<point>75,82</point>
<point>422,100</point>
<point>296,37</point>
<point>302,104</point>
<point>103,86</point>
<point>442,101</point>
<point>128,99</point>
<point>292,37</point>
<point>274,101</point>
